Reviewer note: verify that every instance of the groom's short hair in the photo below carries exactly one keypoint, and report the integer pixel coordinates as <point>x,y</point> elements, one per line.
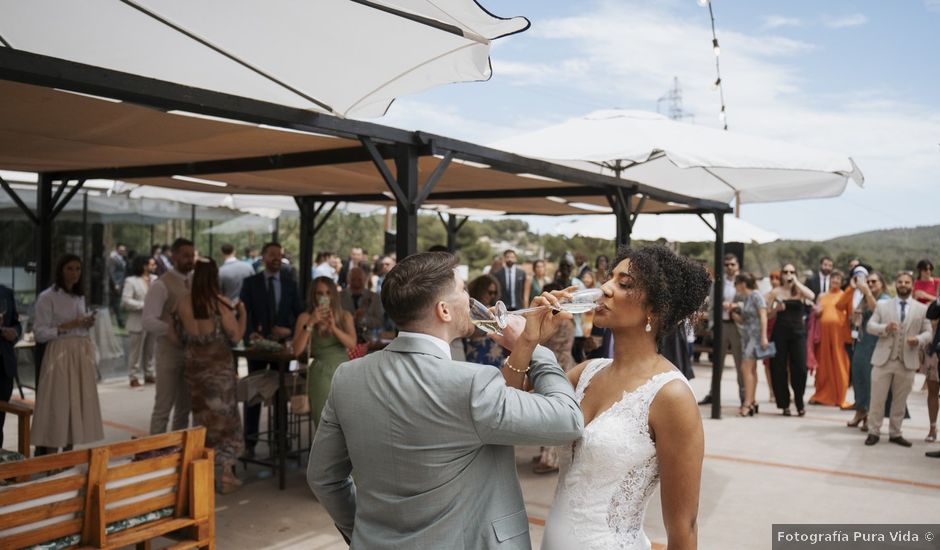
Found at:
<point>417,282</point>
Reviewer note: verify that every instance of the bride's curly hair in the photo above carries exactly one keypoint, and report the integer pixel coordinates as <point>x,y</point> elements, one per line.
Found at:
<point>675,286</point>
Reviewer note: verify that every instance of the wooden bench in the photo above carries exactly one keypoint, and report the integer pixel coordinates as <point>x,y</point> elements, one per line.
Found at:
<point>23,413</point>
<point>113,496</point>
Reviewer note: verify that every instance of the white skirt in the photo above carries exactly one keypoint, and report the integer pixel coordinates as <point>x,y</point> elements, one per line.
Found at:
<point>67,409</point>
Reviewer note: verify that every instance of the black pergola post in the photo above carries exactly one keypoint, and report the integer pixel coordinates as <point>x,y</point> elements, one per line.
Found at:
<point>718,355</point>
<point>309,227</point>
<point>620,202</point>
<point>452,225</point>
<point>406,220</point>
<point>305,254</point>
<point>44,215</point>
<point>192,225</point>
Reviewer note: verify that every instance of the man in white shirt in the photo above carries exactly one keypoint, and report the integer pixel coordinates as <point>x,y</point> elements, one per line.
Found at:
<point>232,273</point>
<point>324,267</point>
<point>172,393</point>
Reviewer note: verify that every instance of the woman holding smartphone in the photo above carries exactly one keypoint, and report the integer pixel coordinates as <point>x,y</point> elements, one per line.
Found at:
<point>790,339</point>
<point>325,331</point>
<point>67,410</point>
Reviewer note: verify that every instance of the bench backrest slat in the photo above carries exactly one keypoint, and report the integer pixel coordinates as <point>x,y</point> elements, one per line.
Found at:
<point>16,494</point>
<point>139,508</point>
<point>118,494</point>
<point>141,467</point>
<point>46,534</point>
<point>40,513</point>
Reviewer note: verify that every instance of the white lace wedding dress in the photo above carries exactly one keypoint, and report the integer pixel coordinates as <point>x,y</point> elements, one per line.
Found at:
<point>608,475</point>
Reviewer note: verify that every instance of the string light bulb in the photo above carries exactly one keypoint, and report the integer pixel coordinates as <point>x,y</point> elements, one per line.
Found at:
<point>717,84</point>
<point>721,115</point>
<point>715,47</point>
<point>703,3</point>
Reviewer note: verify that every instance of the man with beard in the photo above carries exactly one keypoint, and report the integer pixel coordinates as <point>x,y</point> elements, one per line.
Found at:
<point>511,281</point>
<point>272,304</point>
<point>730,334</point>
<point>902,327</point>
<point>172,393</point>
<point>819,282</point>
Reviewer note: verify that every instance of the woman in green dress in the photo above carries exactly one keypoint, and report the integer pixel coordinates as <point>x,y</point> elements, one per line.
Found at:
<point>325,331</point>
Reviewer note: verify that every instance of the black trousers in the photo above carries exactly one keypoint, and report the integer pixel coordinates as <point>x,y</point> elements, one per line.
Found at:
<point>253,412</point>
<point>789,362</point>
<point>6,391</point>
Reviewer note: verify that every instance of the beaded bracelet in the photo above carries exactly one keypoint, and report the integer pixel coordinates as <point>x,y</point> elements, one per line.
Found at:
<point>513,369</point>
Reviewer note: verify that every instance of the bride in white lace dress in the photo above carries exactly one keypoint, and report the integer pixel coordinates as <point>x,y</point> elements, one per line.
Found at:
<point>642,424</point>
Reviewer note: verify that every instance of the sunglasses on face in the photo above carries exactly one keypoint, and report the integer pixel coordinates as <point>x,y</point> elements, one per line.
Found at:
<point>872,281</point>
<point>788,271</point>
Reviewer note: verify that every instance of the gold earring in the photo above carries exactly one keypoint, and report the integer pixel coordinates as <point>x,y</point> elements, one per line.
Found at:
<point>649,326</point>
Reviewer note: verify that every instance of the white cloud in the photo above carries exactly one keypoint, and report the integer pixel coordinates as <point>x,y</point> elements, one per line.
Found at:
<point>625,54</point>
<point>776,21</point>
<point>932,5</point>
<point>844,21</point>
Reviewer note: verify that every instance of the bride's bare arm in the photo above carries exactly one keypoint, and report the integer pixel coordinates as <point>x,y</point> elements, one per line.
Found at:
<point>680,447</point>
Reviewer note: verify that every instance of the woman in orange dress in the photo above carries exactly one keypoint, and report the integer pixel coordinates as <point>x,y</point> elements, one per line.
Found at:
<point>832,371</point>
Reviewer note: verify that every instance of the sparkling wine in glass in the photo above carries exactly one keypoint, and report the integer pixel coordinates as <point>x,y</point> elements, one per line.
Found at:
<point>484,319</point>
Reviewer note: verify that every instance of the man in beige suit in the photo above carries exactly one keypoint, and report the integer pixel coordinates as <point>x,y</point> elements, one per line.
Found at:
<point>172,392</point>
<point>902,328</point>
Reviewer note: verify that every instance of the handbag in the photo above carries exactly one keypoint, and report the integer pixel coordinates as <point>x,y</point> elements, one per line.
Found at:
<point>299,401</point>
<point>768,352</point>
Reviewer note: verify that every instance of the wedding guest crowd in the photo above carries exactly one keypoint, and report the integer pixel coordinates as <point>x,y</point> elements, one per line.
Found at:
<point>858,330</point>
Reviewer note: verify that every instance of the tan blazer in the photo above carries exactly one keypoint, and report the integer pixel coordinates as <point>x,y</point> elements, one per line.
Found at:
<point>915,325</point>
<point>132,300</point>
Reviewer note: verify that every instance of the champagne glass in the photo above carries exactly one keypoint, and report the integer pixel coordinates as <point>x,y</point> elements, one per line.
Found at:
<point>581,301</point>
<point>485,320</point>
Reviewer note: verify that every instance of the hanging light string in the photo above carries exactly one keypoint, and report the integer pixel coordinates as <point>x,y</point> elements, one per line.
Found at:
<point>723,114</point>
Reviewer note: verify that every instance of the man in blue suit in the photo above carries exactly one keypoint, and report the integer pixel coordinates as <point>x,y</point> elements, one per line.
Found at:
<point>273,303</point>
<point>10,332</point>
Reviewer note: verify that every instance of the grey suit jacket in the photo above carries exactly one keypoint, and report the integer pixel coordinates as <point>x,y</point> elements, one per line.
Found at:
<point>915,324</point>
<point>429,443</point>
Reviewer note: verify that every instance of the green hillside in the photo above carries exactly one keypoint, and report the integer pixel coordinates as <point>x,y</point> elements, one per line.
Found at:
<point>887,250</point>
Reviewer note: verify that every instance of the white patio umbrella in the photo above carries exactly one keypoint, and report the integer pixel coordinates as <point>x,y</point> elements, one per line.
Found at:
<point>268,206</point>
<point>680,228</point>
<point>242,224</point>
<point>346,57</point>
<point>685,158</point>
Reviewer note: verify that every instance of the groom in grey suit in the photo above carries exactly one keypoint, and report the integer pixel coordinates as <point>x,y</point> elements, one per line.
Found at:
<point>428,439</point>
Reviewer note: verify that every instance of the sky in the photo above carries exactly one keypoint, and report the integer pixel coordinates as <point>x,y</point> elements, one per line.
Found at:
<point>860,78</point>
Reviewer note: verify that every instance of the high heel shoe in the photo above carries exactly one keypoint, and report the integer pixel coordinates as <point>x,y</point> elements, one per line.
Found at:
<point>745,411</point>
<point>859,418</point>
<point>932,434</point>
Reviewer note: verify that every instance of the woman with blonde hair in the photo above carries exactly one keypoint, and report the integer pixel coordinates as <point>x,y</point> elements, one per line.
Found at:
<point>326,332</point>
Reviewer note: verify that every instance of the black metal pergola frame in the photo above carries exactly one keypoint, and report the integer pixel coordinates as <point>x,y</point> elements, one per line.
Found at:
<point>378,143</point>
